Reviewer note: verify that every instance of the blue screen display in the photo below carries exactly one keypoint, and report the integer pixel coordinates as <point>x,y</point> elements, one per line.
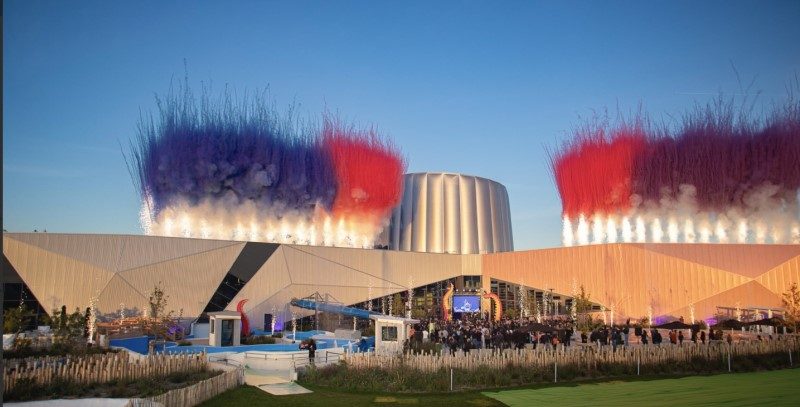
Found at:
<point>466,303</point>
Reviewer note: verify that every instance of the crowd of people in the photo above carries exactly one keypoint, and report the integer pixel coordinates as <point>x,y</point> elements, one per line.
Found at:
<point>473,332</point>
<point>470,331</point>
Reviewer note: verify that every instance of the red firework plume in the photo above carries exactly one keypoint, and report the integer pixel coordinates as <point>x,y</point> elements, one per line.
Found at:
<point>593,172</point>
<point>369,170</point>
<point>724,157</point>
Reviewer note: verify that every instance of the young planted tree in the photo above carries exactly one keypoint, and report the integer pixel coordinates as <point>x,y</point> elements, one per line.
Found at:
<point>791,306</point>
<point>158,301</point>
<point>13,320</point>
<point>162,324</point>
<point>60,321</point>
<point>69,328</point>
<point>583,306</point>
<point>76,325</point>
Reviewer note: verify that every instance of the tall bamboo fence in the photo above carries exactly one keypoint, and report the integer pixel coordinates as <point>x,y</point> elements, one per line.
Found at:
<point>97,368</point>
<point>580,357</point>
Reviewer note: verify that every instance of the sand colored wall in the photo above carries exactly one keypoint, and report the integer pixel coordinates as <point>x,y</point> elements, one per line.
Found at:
<point>667,277</point>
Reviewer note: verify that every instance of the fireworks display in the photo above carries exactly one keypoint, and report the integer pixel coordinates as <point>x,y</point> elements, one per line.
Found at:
<point>240,170</point>
<point>718,178</point>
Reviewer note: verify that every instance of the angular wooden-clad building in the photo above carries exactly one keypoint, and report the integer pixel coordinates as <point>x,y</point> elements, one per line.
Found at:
<point>211,275</point>
<point>667,279</point>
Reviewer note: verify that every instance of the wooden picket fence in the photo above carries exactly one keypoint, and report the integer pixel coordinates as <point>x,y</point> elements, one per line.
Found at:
<point>588,357</point>
<point>97,368</point>
<point>196,393</point>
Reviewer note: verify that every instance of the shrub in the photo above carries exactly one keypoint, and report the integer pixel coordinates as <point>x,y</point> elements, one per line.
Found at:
<point>28,389</point>
<point>24,350</point>
<point>184,343</point>
<point>12,319</point>
<point>25,389</point>
<point>405,378</point>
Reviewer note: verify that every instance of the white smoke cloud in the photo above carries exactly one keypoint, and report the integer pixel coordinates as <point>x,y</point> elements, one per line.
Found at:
<point>764,215</point>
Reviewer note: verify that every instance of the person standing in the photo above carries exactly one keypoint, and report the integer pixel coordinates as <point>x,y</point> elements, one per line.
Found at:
<point>703,337</point>
<point>312,349</point>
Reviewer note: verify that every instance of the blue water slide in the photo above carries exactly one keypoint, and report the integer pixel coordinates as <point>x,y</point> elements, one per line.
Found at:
<point>333,308</point>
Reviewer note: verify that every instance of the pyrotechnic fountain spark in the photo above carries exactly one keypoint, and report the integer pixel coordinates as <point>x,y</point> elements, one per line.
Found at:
<point>688,231</point>
<point>641,230</point>
<point>741,231</point>
<point>186,226</point>
<point>327,232</point>
<point>611,229</point>
<point>167,230</point>
<point>253,234</point>
<point>705,229</point>
<point>146,214</point>
<point>721,230</point>
<point>656,233</point>
<point>312,235</point>
<point>777,234</point>
<point>598,230</point>
<point>568,238</point>
<point>291,229</point>
<point>341,234</point>
<point>672,230</point>
<point>271,231</point>
<point>238,232</point>
<point>583,230</point>
<point>205,233</point>
<point>761,232</point>
<point>627,232</point>
<point>795,233</point>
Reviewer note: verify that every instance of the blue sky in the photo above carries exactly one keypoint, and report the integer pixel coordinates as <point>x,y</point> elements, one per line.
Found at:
<point>473,87</point>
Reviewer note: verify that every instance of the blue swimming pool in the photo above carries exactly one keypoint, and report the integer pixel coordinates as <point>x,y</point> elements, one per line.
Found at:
<point>140,344</point>
<point>278,347</point>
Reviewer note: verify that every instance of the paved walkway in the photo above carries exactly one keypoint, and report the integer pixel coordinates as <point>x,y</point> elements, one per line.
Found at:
<point>275,382</point>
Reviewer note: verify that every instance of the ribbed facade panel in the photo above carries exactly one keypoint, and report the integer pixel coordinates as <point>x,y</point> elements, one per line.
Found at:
<point>669,279</point>
<point>451,213</point>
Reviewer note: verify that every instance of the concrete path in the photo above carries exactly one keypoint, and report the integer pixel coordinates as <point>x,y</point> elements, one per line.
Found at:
<point>275,382</point>
<point>284,389</point>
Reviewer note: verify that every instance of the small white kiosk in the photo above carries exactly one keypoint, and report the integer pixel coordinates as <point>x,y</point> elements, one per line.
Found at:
<point>391,332</point>
<point>224,328</point>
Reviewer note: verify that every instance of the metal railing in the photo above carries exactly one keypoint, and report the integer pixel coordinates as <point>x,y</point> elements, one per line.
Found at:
<point>297,359</point>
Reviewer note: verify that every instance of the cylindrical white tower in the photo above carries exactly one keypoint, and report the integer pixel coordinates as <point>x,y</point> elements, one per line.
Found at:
<point>451,213</point>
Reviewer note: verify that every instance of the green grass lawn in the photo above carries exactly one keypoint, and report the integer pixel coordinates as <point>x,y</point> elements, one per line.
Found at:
<point>250,396</point>
<point>773,388</point>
